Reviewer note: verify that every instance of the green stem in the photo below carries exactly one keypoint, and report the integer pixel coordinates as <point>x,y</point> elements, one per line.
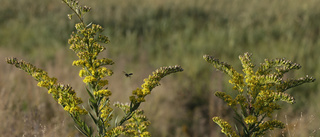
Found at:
<point>80,18</point>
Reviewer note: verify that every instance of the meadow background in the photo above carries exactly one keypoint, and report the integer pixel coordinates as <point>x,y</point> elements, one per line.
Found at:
<point>148,34</point>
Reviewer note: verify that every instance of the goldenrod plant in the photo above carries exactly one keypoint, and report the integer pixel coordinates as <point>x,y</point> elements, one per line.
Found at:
<point>86,43</point>
<point>257,94</point>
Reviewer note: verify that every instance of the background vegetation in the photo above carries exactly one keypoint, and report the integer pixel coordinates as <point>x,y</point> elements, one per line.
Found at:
<point>147,34</point>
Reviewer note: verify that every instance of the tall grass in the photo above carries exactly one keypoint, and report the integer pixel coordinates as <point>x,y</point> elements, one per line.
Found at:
<point>147,33</point>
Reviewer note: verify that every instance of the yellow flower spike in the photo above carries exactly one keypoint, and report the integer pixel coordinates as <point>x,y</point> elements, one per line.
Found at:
<point>153,80</point>
<point>226,98</point>
<point>283,97</point>
<point>225,127</point>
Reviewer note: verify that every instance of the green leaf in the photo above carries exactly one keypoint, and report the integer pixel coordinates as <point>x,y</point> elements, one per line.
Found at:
<point>93,118</point>
<point>89,130</point>
<point>93,102</point>
<point>81,131</point>
<point>91,106</point>
<point>90,94</point>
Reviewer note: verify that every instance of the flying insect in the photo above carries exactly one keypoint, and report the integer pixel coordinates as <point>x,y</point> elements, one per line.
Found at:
<point>128,74</point>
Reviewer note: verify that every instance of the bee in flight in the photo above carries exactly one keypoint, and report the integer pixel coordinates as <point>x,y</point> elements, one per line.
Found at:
<point>127,74</point>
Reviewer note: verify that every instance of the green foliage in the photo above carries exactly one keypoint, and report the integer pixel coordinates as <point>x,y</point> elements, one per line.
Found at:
<point>257,94</point>
<point>85,42</point>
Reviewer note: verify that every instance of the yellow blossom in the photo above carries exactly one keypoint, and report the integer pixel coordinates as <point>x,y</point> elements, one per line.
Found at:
<point>82,73</point>
<point>250,119</point>
<point>103,92</point>
<point>89,79</point>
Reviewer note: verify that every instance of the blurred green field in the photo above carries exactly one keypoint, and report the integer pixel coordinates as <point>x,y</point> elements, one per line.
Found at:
<point>148,34</point>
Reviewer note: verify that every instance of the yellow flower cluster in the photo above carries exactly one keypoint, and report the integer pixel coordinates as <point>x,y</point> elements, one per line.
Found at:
<point>237,81</point>
<point>137,125</point>
<point>265,106</point>
<point>264,88</point>
<point>151,82</point>
<point>103,72</point>
<point>104,61</point>
<point>247,67</point>
<point>83,73</point>
<point>241,100</point>
<point>114,132</point>
<point>250,120</point>
<point>105,109</point>
<point>283,97</point>
<point>269,125</point>
<point>63,94</point>
<point>85,42</point>
<point>124,107</point>
<point>251,78</point>
<point>102,83</point>
<point>80,62</point>
<point>236,78</point>
<point>103,92</point>
<point>285,85</point>
<point>227,98</point>
<point>222,66</point>
<point>67,98</point>
<point>76,109</point>
<point>226,128</point>
<point>89,79</point>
